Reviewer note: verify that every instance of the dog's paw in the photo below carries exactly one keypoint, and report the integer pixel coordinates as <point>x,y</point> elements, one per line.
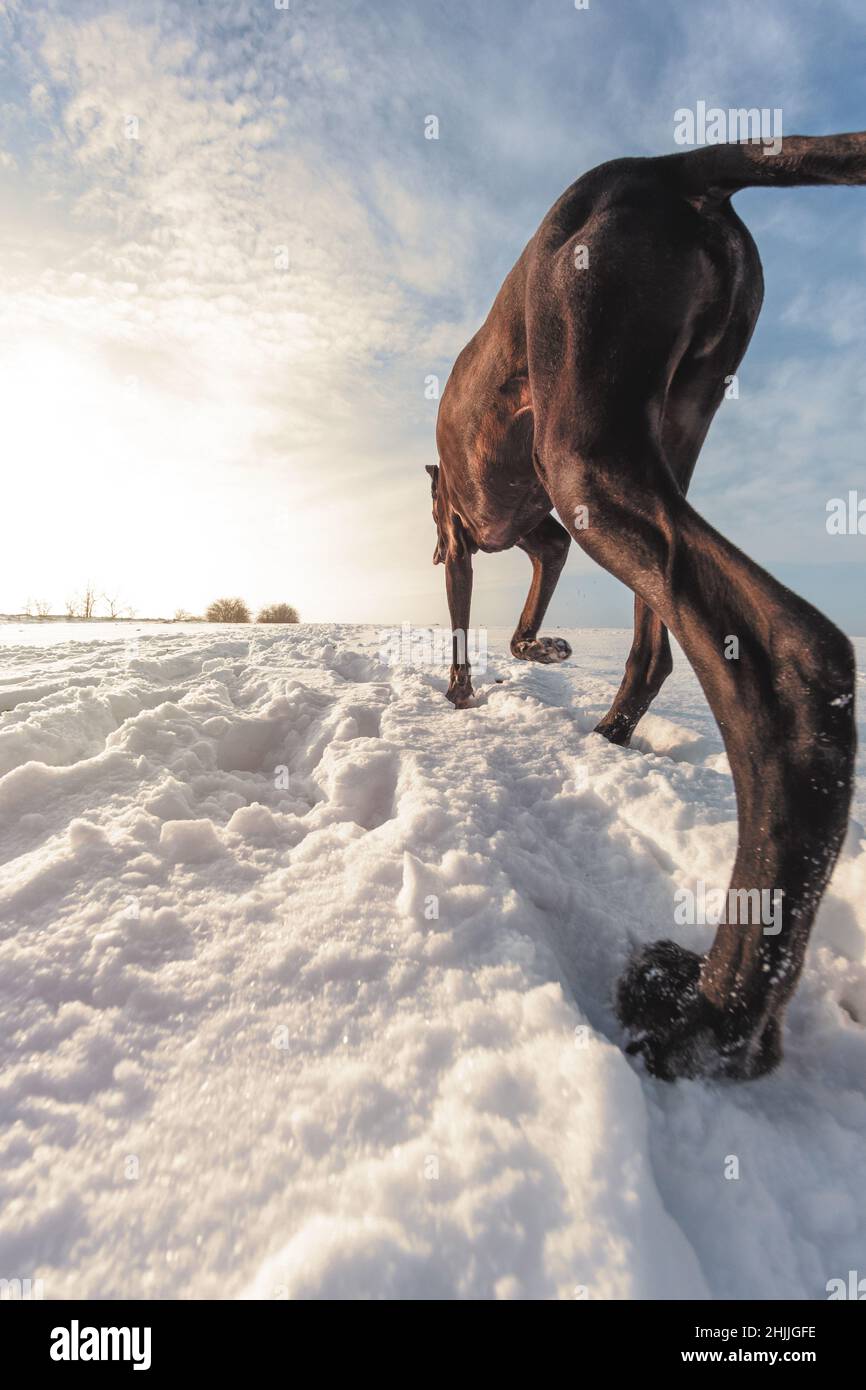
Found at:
<point>547,650</point>
<point>460,691</point>
<point>617,729</point>
<point>675,1029</point>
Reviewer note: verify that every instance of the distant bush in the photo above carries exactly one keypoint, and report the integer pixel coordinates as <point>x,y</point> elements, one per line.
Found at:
<point>278,613</point>
<point>228,610</point>
<point>36,608</point>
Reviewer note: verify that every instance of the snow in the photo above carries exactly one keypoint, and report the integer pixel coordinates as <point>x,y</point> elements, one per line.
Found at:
<point>307,978</point>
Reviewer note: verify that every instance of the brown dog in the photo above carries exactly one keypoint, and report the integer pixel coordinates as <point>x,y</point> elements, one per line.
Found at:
<point>590,388</point>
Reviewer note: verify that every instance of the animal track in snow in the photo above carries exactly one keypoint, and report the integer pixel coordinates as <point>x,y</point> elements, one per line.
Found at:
<point>295,1001</point>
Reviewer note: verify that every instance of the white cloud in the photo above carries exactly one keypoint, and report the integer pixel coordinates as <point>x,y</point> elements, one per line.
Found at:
<point>279,425</point>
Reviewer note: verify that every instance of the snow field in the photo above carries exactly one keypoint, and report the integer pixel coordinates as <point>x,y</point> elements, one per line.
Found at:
<point>307,978</point>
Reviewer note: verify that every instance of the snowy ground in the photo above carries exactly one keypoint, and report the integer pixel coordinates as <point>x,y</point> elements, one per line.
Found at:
<point>242,1057</point>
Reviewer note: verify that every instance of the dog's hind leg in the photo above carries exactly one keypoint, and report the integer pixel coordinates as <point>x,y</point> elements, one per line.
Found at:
<point>784,706</point>
<point>692,400</point>
<point>785,711</point>
<point>547,547</point>
<point>648,666</point>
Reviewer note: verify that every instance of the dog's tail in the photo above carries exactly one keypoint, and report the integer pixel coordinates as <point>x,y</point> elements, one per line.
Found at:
<point>793,159</point>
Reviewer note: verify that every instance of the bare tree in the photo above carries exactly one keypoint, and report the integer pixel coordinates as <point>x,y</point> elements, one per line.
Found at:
<point>88,601</point>
<point>41,608</point>
<point>228,610</point>
<point>71,607</point>
<point>113,606</point>
<point>278,613</point>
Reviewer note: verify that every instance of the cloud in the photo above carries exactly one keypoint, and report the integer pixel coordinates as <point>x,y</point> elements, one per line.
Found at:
<point>234,208</point>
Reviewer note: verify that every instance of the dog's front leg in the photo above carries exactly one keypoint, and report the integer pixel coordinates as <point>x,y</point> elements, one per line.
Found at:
<point>547,547</point>
<point>458,585</point>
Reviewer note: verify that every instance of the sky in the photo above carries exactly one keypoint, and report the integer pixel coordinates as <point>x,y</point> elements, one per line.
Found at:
<point>231,262</point>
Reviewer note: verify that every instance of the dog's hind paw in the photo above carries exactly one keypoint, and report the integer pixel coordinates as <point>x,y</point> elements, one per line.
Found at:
<point>676,1030</point>
<point>547,650</point>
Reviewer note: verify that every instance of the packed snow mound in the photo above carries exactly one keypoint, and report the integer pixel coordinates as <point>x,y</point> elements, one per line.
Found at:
<point>307,984</point>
